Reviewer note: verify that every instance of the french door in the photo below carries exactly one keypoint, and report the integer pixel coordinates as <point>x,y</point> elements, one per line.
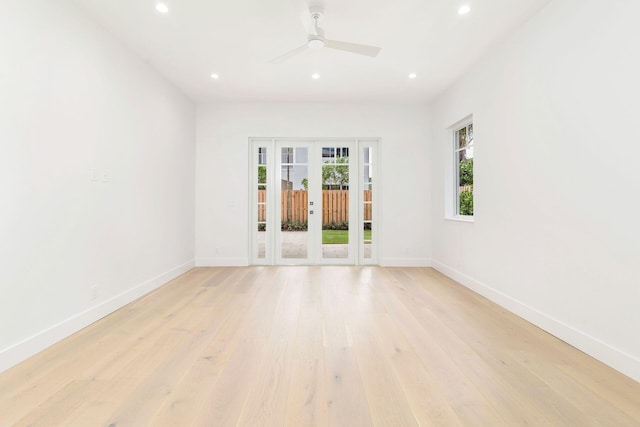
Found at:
<point>313,201</point>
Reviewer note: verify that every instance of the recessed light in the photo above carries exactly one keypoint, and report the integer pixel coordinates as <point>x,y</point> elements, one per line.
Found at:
<point>315,76</point>
<point>464,9</point>
<point>162,8</point>
<point>215,76</point>
<point>413,75</point>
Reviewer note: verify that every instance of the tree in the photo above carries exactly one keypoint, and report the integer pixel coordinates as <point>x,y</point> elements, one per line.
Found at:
<point>466,172</point>
<point>336,175</point>
<point>262,176</point>
<point>466,180</point>
<point>333,176</point>
<point>466,203</point>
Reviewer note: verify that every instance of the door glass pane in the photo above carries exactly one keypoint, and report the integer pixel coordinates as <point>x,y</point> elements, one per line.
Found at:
<point>335,202</point>
<point>328,155</point>
<point>368,203</point>
<point>262,202</point>
<point>286,155</point>
<point>301,155</point>
<point>294,203</point>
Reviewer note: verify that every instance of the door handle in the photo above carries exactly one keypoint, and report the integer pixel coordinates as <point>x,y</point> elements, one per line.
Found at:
<point>310,212</point>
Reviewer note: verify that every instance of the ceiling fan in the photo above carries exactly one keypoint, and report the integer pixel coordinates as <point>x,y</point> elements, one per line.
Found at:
<point>316,40</point>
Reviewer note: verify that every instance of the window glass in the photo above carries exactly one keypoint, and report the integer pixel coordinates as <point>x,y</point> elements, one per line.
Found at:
<point>463,150</point>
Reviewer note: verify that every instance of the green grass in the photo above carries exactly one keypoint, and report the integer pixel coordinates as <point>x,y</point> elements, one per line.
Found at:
<point>332,237</point>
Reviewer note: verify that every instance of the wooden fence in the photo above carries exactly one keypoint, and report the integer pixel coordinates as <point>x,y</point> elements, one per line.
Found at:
<point>294,203</point>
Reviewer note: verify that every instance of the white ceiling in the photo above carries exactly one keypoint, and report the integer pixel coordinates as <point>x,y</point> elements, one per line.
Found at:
<point>237,38</point>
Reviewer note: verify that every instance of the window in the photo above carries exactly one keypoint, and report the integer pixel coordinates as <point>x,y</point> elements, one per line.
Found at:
<point>463,170</point>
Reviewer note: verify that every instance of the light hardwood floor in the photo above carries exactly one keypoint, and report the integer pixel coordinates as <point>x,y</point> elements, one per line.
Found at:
<point>307,346</point>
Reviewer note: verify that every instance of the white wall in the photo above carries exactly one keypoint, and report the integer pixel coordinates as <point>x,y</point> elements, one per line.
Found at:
<point>72,101</point>
<point>223,132</point>
<point>556,236</point>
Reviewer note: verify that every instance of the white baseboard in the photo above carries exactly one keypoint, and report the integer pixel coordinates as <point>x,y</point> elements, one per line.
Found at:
<point>405,262</point>
<point>243,262</point>
<point>222,262</point>
<point>611,356</point>
<point>21,351</point>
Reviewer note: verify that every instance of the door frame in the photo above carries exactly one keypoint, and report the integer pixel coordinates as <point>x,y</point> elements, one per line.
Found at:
<point>272,248</point>
<point>312,220</point>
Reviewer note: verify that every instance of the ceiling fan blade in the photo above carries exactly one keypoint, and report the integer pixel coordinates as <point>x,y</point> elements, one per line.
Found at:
<point>289,54</point>
<point>360,49</point>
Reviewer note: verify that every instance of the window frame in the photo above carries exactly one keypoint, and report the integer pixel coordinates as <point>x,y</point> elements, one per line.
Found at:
<point>452,211</point>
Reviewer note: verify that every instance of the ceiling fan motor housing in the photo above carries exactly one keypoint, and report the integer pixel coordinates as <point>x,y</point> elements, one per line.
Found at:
<point>315,42</point>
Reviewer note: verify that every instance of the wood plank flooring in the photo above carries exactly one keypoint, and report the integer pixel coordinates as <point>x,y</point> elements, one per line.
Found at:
<point>314,346</point>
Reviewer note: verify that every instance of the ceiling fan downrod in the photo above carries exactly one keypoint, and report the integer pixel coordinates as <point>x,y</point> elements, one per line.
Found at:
<point>317,41</point>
